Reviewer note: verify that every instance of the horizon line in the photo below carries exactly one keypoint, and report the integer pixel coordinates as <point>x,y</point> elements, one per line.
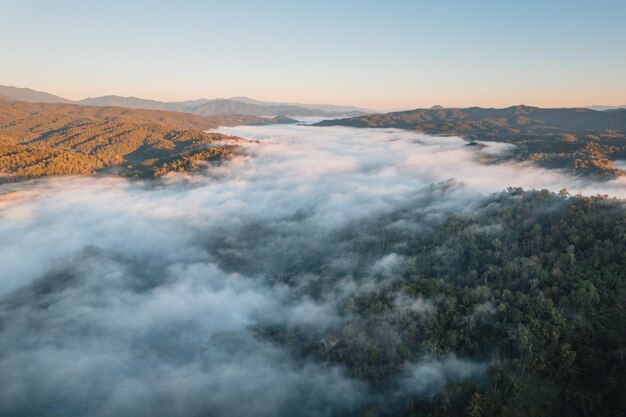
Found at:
<point>330,103</point>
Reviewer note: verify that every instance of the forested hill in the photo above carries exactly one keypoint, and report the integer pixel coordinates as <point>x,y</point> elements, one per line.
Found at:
<point>39,140</point>
<point>489,122</point>
<point>582,140</point>
<point>530,283</point>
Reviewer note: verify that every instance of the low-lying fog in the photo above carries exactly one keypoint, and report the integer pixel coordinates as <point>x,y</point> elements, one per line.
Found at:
<point>135,298</point>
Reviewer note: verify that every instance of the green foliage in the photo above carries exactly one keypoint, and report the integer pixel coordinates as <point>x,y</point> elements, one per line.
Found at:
<point>531,283</point>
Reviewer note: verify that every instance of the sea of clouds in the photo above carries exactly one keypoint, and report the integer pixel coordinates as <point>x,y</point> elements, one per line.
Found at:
<point>127,298</point>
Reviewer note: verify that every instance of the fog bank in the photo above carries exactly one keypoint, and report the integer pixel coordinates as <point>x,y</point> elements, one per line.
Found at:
<point>158,298</point>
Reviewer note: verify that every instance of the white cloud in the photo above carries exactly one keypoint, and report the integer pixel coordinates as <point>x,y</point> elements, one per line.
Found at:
<point>129,298</point>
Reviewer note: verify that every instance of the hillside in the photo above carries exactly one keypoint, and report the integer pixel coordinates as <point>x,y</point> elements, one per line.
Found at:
<point>38,140</point>
<point>582,140</point>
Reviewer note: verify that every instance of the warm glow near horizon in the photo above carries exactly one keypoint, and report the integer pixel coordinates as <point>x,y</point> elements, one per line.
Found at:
<point>388,56</point>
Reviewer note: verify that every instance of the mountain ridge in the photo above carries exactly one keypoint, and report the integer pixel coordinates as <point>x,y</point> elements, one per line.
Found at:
<point>582,140</point>
<point>30,95</point>
<point>601,107</point>
<point>241,105</point>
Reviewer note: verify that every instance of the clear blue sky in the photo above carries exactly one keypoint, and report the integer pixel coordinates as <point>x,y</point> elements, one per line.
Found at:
<point>376,54</point>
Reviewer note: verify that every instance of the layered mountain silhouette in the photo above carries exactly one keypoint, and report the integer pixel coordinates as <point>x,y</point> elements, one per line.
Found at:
<point>606,108</point>
<point>205,107</point>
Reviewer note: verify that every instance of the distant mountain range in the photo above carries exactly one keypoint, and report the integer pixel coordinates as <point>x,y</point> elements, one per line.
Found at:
<point>204,107</point>
<point>29,96</point>
<point>606,108</point>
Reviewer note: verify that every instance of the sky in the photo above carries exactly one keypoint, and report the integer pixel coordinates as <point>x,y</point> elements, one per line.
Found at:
<point>374,54</point>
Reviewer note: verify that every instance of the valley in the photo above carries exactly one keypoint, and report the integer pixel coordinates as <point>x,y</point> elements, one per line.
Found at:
<point>583,141</point>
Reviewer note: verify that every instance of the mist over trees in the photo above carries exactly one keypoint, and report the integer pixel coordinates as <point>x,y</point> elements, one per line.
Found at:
<point>335,276</point>
<point>586,142</point>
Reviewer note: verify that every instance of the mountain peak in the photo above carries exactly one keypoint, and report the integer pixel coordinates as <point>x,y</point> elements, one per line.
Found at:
<point>29,95</point>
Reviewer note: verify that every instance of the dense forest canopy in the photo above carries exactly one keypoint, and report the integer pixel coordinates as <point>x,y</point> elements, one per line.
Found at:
<point>515,308</point>
<point>531,285</point>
